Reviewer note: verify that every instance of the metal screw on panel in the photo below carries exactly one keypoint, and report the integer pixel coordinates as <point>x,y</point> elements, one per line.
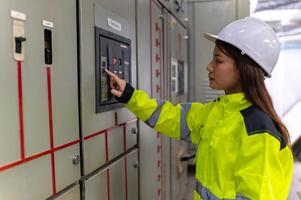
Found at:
<point>134,130</point>
<point>136,164</point>
<point>76,159</point>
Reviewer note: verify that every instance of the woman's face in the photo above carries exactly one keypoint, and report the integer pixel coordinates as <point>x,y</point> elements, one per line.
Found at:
<point>223,73</point>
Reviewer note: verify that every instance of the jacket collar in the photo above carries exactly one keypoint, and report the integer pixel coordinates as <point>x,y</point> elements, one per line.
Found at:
<point>233,102</point>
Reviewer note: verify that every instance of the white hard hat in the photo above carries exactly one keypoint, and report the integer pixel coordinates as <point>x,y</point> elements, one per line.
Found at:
<point>254,38</point>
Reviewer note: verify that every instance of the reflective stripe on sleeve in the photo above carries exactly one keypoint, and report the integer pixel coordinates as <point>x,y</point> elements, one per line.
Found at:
<point>152,120</point>
<point>241,197</point>
<point>206,194</point>
<point>185,132</point>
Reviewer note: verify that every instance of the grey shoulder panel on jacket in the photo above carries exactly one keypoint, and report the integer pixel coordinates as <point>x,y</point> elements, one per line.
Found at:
<point>257,121</point>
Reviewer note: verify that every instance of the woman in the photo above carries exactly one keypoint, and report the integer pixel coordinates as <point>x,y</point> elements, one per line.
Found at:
<point>243,147</point>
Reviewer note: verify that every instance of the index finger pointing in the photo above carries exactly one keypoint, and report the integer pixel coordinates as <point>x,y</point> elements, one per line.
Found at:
<point>113,76</point>
<point>109,73</point>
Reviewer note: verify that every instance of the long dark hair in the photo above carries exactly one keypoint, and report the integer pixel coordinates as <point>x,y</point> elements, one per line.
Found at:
<point>252,83</point>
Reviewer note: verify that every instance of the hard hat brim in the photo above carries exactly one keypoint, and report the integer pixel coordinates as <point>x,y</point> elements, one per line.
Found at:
<point>210,37</point>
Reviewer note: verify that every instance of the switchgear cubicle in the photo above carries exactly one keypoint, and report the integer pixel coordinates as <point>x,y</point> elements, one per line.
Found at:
<point>113,52</point>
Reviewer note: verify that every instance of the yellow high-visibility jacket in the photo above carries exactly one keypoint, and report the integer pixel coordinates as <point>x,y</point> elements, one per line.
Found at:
<point>241,154</point>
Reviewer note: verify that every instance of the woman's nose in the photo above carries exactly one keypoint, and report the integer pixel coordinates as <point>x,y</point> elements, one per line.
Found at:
<point>209,67</point>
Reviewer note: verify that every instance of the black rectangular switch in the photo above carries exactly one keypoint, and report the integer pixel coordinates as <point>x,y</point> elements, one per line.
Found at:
<point>48,46</point>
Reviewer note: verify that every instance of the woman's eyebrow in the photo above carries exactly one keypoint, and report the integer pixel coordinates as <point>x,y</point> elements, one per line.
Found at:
<point>217,54</point>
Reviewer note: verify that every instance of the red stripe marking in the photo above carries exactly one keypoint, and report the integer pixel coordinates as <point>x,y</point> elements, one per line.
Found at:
<point>107,147</point>
<point>105,131</point>
<point>161,92</point>
<point>124,138</point>
<point>159,192</point>
<point>36,156</point>
<point>20,101</point>
<point>66,145</point>
<point>158,91</point>
<point>125,161</point>
<point>108,184</point>
<point>126,178</point>
<point>108,129</point>
<point>50,106</point>
<point>53,174</point>
<point>107,159</point>
<point>162,165</point>
<point>94,134</point>
<point>51,129</point>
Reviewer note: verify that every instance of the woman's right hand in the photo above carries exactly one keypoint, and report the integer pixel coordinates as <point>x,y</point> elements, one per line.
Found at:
<point>117,85</point>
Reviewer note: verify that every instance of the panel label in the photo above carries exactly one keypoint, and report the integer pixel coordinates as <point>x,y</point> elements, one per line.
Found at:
<point>114,24</point>
<point>47,23</point>
<point>17,15</point>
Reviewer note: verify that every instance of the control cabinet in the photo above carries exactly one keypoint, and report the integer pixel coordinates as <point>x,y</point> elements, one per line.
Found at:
<point>113,52</point>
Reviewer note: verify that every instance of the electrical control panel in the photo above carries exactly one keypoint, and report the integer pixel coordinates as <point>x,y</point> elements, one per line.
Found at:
<point>113,52</point>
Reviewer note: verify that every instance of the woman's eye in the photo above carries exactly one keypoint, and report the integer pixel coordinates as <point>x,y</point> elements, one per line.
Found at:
<point>219,61</point>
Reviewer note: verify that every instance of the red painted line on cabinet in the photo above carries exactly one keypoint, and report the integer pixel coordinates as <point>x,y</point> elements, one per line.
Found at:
<point>21,114</point>
<point>55,149</point>
<point>95,134</point>
<point>162,166</point>
<point>125,161</point>
<point>36,156</point>
<point>19,162</point>
<point>50,106</point>
<point>126,178</point>
<point>161,92</point>
<point>107,159</point>
<point>107,146</point>
<point>160,52</point>
<point>53,173</point>
<point>108,184</point>
<point>51,129</point>
<point>108,129</point>
<point>124,138</point>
